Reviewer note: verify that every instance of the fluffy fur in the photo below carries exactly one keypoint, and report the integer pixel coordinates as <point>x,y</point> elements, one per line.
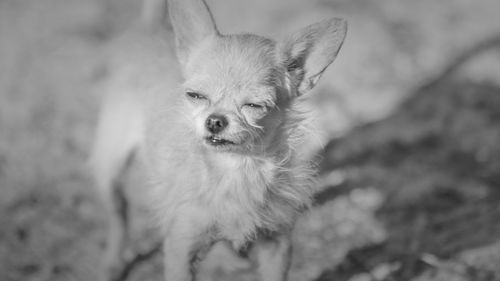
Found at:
<point>244,183</point>
<point>260,187</point>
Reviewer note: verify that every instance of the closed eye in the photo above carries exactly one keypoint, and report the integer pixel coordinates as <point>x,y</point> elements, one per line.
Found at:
<point>196,96</point>
<point>254,105</point>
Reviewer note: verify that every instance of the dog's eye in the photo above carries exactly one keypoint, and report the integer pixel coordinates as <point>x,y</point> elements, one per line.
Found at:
<point>254,105</point>
<point>196,96</point>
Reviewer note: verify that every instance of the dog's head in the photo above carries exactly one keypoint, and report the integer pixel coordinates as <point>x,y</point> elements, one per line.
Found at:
<point>239,88</point>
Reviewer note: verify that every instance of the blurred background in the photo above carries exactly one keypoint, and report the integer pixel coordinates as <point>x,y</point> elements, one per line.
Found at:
<point>410,115</point>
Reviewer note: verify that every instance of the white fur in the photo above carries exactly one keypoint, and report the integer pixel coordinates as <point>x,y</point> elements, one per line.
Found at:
<point>249,190</point>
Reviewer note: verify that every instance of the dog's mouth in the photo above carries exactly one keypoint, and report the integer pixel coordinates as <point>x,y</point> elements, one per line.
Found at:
<point>218,141</point>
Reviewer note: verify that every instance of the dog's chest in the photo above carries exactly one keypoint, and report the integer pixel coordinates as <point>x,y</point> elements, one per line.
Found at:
<point>235,199</point>
<point>237,196</point>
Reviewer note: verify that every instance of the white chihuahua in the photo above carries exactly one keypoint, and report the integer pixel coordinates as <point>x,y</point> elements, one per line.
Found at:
<point>217,121</point>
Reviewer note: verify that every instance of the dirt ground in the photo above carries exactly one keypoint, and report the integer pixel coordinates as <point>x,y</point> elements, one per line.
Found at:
<point>411,173</point>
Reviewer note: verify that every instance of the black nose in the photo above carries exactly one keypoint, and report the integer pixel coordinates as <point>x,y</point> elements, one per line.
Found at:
<point>216,123</point>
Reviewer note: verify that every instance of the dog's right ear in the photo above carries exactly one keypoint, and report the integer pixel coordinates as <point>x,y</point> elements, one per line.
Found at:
<point>192,22</point>
<point>307,53</point>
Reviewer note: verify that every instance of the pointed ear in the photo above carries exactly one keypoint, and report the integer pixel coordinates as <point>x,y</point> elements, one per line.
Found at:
<point>192,22</point>
<point>307,53</point>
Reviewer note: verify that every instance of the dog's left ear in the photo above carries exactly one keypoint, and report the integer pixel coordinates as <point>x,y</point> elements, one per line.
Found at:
<point>307,53</point>
<point>192,22</point>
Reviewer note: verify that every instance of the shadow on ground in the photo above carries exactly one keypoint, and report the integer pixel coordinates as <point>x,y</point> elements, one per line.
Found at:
<point>436,160</point>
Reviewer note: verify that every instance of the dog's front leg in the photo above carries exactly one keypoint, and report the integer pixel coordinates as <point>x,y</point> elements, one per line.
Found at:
<point>273,257</point>
<point>186,240</point>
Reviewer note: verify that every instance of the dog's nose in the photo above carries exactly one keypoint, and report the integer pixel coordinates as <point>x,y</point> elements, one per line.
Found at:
<point>216,123</point>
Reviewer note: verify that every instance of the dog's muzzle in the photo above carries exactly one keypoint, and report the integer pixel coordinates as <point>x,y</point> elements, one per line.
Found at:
<point>216,123</point>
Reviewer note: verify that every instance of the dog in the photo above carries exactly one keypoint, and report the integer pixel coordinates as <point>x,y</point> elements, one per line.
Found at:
<point>216,121</point>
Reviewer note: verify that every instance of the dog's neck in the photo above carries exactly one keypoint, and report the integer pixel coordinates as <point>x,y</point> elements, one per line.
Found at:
<point>274,185</point>
<point>227,162</point>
